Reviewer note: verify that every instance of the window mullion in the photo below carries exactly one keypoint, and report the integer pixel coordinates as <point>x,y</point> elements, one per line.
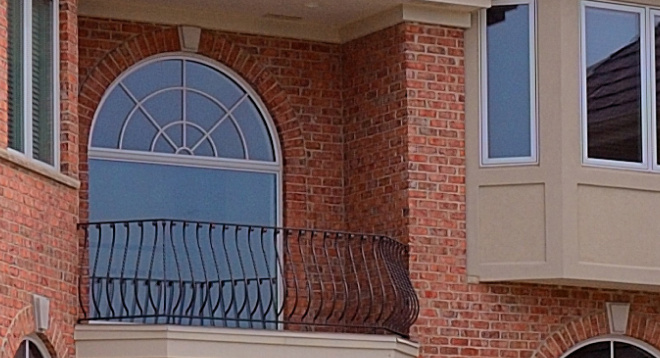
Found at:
<point>27,77</point>
<point>653,115</point>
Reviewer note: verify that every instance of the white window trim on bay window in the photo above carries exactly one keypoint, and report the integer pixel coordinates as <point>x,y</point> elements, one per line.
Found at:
<point>487,159</point>
<point>24,108</point>
<point>648,90</point>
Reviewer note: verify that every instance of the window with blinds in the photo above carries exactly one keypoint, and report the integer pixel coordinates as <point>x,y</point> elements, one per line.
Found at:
<point>32,82</point>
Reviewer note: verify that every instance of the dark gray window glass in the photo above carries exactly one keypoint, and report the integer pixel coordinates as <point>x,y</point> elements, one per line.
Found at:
<point>508,82</point>
<point>43,146</point>
<point>15,86</point>
<point>27,349</point>
<point>610,349</point>
<point>614,84</point>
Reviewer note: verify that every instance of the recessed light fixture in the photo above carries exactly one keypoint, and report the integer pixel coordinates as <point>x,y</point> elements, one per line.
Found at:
<point>283,17</point>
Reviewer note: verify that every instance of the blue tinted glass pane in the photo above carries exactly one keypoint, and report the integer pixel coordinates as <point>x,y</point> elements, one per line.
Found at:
<point>254,129</point>
<point>202,110</point>
<point>120,191</point>
<point>165,107</point>
<point>110,119</point>
<point>614,85</point>
<point>509,98</point>
<point>204,113</point>
<point>228,140</point>
<point>175,134</point>
<point>193,136</point>
<point>212,82</point>
<point>153,77</point>
<point>139,133</point>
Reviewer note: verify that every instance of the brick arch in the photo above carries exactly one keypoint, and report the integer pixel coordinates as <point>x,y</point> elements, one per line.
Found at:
<point>23,325</point>
<point>220,49</point>
<point>640,326</point>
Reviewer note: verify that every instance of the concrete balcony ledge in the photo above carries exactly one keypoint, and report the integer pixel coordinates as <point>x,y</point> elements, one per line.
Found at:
<point>165,341</point>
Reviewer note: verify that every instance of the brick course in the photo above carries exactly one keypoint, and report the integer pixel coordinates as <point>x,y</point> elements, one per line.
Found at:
<point>373,138</point>
<point>38,215</point>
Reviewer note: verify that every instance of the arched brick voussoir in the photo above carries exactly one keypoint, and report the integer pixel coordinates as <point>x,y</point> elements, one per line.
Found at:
<point>23,325</point>
<point>118,60</point>
<point>572,333</point>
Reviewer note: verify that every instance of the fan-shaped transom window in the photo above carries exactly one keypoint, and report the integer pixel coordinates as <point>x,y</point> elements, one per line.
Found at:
<point>180,136</point>
<point>612,348</point>
<point>185,107</point>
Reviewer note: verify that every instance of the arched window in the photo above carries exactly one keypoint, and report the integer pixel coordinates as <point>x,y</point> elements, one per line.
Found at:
<point>612,347</point>
<point>185,138</point>
<point>32,348</point>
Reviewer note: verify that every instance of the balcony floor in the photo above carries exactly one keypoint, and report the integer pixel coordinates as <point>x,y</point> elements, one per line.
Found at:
<point>104,340</point>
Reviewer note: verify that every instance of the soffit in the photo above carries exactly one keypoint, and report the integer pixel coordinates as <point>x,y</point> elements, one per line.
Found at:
<point>325,20</point>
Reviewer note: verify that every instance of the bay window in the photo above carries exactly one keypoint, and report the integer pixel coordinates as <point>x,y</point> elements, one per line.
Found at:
<point>33,78</point>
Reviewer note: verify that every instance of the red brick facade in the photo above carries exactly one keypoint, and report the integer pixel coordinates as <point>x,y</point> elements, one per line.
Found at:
<point>372,133</point>
<point>39,213</point>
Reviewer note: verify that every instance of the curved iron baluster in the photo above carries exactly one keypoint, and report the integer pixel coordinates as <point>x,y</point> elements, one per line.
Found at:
<point>352,282</point>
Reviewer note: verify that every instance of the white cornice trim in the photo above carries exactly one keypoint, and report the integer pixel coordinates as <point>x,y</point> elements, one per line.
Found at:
<point>428,14</point>
<point>463,4</point>
<point>455,13</point>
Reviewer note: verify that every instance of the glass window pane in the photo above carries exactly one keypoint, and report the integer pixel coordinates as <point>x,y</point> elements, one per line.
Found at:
<point>109,121</point>
<point>153,77</point>
<point>42,81</point>
<point>139,133</point>
<point>508,82</point>
<point>15,74</point>
<point>227,140</point>
<point>613,73</point>
<point>129,191</point>
<point>596,350</point>
<point>257,137</point>
<point>210,81</point>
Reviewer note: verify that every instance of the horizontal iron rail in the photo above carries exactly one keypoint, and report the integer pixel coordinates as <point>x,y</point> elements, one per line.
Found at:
<point>232,275</point>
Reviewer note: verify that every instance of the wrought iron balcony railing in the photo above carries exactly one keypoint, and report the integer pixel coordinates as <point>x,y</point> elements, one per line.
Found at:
<point>199,273</point>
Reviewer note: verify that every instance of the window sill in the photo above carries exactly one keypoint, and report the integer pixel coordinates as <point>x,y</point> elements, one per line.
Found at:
<point>21,161</point>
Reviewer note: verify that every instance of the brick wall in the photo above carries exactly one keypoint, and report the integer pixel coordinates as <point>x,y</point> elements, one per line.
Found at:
<point>458,319</point>
<point>38,215</point>
<point>373,140</point>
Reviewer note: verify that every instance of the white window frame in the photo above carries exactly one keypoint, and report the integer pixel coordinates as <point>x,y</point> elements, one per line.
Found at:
<point>27,119</point>
<point>613,339</point>
<point>486,160</point>
<point>652,13</point>
<point>649,145</point>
